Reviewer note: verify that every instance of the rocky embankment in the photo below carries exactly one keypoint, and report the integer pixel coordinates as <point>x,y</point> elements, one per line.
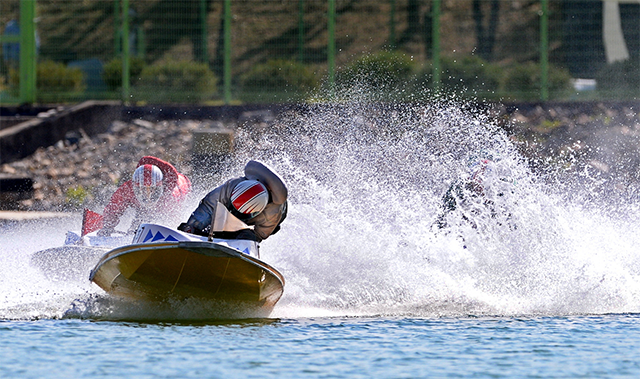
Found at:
<point>594,142</point>
<point>81,170</point>
<point>598,140</point>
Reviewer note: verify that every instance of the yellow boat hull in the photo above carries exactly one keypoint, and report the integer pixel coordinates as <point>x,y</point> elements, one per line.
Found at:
<point>188,269</point>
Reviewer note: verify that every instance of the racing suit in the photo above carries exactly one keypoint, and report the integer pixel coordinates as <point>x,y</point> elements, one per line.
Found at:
<point>176,188</point>
<point>264,224</point>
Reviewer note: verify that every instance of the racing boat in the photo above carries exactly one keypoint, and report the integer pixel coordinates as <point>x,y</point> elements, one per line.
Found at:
<point>163,263</point>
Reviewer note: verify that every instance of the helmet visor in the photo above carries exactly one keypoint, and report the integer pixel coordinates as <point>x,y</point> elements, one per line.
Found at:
<point>148,195</point>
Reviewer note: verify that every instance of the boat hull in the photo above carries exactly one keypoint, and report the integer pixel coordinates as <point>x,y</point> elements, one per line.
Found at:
<point>188,269</point>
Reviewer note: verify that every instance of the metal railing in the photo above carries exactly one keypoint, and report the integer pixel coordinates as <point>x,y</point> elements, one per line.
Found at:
<point>226,51</point>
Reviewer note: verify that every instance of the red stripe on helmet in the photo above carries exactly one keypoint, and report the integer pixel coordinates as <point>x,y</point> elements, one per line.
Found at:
<point>247,195</point>
<point>148,175</point>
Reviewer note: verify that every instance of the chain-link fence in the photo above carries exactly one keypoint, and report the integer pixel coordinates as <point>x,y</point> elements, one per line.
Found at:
<point>289,50</point>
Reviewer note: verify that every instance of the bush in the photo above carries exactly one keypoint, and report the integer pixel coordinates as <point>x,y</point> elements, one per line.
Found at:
<point>54,81</point>
<point>280,76</point>
<point>523,81</point>
<point>620,79</point>
<point>183,81</point>
<point>76,196</point>
<point>470,74</point>
<point>112,74</point>
<point>385,70</point>
<point>56,77</point>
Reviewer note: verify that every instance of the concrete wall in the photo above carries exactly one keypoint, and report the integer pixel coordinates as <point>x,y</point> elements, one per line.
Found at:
<point>23,139</point>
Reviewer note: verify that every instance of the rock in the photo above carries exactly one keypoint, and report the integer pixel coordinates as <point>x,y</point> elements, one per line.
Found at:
<point>8,169</point>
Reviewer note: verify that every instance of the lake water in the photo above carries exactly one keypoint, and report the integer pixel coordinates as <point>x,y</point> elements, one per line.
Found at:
<point>538,279</point>
<point>323,347</point>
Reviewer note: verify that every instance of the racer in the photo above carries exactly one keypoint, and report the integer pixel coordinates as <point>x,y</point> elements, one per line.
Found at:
<point>258,199</point>
<point>156,189</point>
<point>475,193</point>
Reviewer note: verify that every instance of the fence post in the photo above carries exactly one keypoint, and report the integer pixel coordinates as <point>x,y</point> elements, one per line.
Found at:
<point>392,25</point>
<point>117,41</point>
<point>435,37</point>
<point>227,52</point>
<point>126,51</point>
<point>544,51</point>
<point>203,26</point>
<point>331,48</point>
<point>28,56</point>
<point>301,31</point>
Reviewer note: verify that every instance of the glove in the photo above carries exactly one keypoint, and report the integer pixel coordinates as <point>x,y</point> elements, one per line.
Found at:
<point>105,232</point>
<point>184,227</point>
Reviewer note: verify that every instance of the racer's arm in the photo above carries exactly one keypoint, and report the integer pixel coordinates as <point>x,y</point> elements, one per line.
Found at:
<point>182,189</point>
<point>202,216</point>
<point>265,223</point>
<point>122,199</point>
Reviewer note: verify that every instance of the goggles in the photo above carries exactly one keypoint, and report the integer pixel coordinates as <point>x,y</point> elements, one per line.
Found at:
<point>148,195</point>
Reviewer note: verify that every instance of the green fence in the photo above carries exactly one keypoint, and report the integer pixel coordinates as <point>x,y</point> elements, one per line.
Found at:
<point>224,51</point>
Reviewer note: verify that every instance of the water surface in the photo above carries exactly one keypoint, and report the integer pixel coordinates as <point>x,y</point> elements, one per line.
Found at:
<point>539,278</point>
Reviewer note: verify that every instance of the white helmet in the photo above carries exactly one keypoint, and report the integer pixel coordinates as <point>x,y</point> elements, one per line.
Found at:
<point>147,184</point>
<point>249,198</point>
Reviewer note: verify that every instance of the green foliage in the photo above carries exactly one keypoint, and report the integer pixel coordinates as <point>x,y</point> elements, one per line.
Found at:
<point>280,75</point>
<point>182,81</point>
<point>384,70</point>
<point>523,81</point>
<point>620,79</point>
<point>549,125</point>
<point>473,77</point>
<point>467,76</point>
<point>559,82</point>
<point>76,195</point>
<point>112,74</point>
<point>472,74</point>
<point>56,77</point>
<point>54,81</point>
<point>52,76</point>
